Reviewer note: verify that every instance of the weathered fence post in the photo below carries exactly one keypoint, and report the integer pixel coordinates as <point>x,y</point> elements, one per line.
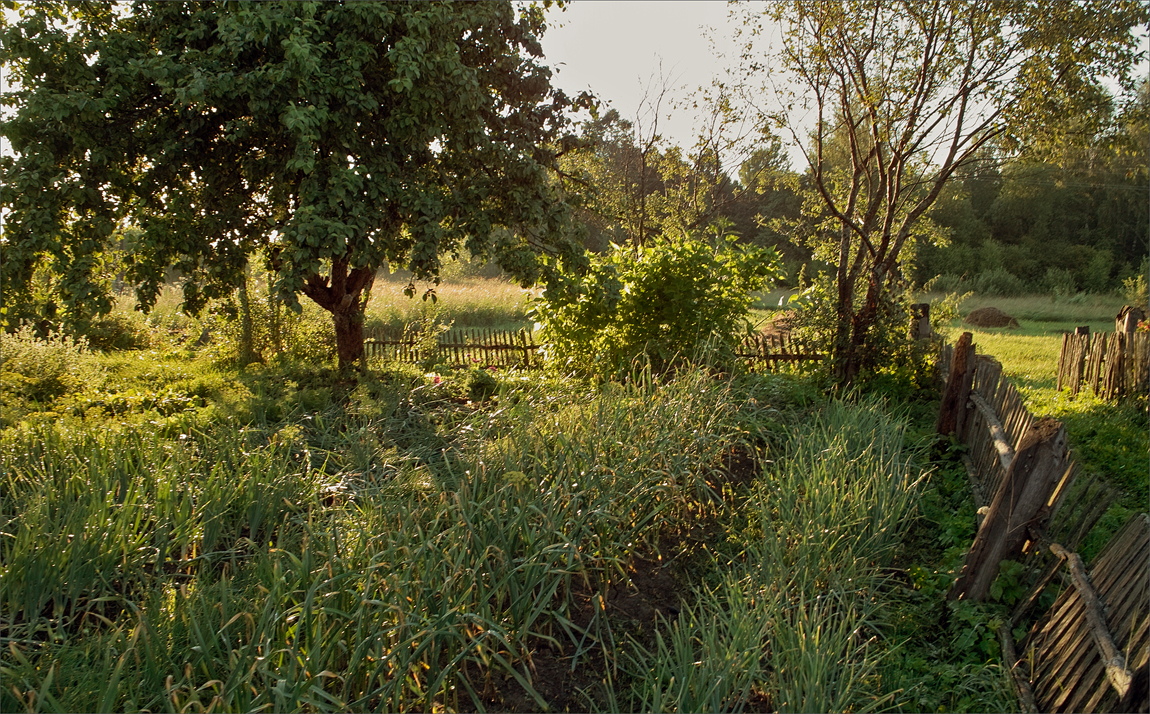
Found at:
<point>1020,503</point>
<point>920,321</point>
<point>953,407</point>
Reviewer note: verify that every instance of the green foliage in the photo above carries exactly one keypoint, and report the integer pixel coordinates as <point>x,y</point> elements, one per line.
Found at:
<point>663,299</point>
<point>41,369</point>
<point>1135,290</point>
<point>332,137</point>
<point>998,282</point>
<point>276,332</point>
<point>896,366</point>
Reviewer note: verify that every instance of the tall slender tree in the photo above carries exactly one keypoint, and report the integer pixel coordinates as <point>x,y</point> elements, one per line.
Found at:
<point>912,91</point>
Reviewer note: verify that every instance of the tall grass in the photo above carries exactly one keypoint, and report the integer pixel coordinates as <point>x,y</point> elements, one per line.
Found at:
<point>275,570</point>
<point>463,302</point>
<point>791,621</point>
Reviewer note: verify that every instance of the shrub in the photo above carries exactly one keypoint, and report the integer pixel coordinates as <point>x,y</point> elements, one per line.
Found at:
<point>664,299</point>
<point>40,369</point>
<point>946,283</point>
<point>1134,289</point>
<point>1060,282</point>
<point>998,282</point>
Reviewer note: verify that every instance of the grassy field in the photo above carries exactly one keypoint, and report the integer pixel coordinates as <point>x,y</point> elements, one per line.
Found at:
<point>180,534</point>
<point>464,302</point>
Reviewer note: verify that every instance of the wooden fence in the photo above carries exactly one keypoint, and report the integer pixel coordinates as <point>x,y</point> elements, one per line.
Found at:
<point>1110,364</point>
<point>1073,666</point>
<point>773,350</point>
<point>506,348</point>
<point>459,347</point>
<point>1037,509</point>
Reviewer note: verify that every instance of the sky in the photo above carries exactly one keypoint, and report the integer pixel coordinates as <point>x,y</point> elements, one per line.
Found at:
<point>617,49</point>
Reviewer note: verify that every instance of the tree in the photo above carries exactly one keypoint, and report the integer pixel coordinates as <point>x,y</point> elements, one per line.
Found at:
<point>911,92</point>
<point>333,137</point>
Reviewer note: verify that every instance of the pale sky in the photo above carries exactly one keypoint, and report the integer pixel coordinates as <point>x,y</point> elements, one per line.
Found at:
<point>615,48</point>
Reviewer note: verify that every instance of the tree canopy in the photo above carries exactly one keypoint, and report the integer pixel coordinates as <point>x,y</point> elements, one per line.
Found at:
<point>334,138</point>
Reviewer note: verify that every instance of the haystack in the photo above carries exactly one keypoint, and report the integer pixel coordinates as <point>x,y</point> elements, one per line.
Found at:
<point>990,317</point>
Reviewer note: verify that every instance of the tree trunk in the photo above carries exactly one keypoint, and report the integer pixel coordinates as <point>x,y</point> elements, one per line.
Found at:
<point>349,335</point>
<point>344,294</point>
<point>845,363</point>
<point>248,352</point>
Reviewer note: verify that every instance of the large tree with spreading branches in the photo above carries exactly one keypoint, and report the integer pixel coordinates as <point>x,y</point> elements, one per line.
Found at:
<point>331,138</point>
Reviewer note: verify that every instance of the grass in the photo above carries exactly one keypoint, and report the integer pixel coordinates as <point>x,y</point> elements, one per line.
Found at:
<point>180,534</point>
<point>1047,314</point>
<point>183,535</point>
<point>463,302</point>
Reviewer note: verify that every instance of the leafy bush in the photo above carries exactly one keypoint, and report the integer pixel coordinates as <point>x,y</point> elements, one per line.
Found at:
<point>893,364</point>
<point>41,368</point>
<point>946,283</point>
<point>664,299</point>
<point>1135,290</point>
<point>1060,282</point>
<point>999,282</point>
<point>306,335</point>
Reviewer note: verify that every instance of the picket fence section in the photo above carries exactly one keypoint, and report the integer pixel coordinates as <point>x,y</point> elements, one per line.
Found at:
<point>459,347</point>
<point>776,349</point>
<point>1110,364</point>
<point>995,425</point>
<point>517,348</point>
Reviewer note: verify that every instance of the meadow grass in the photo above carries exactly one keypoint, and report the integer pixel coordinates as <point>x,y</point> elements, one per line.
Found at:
<point>1046,314</point>
<point>463,302</point>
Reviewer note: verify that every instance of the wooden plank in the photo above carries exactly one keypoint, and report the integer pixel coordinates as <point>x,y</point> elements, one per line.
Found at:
<point>957,388</point>
<point>1036,468</point>
<point>1116,671</point>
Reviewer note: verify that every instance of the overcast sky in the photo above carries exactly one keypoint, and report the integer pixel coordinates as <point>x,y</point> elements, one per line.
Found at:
<point>615,49</point>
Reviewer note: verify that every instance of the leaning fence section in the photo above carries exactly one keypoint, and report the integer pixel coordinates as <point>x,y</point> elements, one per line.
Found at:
<point>1109,364</point>
<point>1036,509</point>
<point>1085,652</point>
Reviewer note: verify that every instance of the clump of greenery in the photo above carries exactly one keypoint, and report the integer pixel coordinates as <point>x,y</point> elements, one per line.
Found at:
<point>1135,290</point>
<point>891,362</point>
<point>662,299</point>
<point>42,368</point>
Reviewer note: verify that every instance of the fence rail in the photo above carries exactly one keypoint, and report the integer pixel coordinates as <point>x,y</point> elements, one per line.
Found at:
<point>776,348</point>
<point>1110,364</point>
<point>1040,510</point>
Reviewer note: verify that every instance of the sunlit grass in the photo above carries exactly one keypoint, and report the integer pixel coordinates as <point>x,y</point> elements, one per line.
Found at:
<point>464,302</point>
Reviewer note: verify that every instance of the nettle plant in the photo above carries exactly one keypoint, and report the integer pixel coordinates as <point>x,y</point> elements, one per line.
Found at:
<point>663,299</point>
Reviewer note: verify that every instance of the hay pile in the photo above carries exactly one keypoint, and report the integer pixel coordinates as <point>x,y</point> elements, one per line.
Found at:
<point>990,317</point>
